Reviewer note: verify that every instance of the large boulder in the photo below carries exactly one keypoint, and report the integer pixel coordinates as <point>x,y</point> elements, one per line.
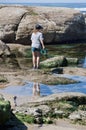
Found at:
<point>54,62</point>
<point>58,61</point>
<point>60,24</point>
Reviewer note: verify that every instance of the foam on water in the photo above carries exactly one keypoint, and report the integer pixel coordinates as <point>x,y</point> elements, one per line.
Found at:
<point>81,9</point>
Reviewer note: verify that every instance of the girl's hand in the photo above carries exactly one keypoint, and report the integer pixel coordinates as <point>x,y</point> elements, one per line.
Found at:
<point>43,47</point>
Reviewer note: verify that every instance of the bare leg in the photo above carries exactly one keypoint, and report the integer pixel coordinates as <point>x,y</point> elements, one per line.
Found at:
<point>34,59</point>
<point>34,89</point>
<point>38,59</point>
<point>38,89</point>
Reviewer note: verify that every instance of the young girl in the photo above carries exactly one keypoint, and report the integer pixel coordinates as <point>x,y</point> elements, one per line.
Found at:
<point>37,43</point>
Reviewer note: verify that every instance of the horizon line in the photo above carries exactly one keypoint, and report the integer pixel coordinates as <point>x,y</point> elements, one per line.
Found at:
<point>42,2</point>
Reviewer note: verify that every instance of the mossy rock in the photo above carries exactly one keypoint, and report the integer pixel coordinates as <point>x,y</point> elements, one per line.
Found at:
<point>72,61</point>
<point>54,62</point>
<point>1,97</point>
<point>47,120</point>
<point>25,118</point>
<point>5,111</point>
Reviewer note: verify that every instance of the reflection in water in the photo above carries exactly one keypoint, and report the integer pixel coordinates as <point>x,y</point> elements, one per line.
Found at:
<point>36,89</point>
<point>15,100</point>
<point>29,89</point>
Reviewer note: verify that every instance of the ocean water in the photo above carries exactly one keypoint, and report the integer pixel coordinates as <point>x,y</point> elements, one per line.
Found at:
<point>79,6</point>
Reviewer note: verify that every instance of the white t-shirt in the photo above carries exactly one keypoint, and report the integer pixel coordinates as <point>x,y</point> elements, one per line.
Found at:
<point>35,38</point>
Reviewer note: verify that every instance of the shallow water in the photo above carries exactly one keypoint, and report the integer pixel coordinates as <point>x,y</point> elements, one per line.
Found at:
<point>27,89</point>
<point>72,50</point>
<point>68,50</point>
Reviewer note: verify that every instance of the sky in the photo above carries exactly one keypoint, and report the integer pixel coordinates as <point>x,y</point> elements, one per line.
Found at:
<point>43,1</point>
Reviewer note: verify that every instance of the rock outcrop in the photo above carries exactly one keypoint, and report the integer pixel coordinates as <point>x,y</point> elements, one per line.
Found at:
<point>7,59</point>
<point>46,109</point>
<point>4,49</point>
<point>60,24</point>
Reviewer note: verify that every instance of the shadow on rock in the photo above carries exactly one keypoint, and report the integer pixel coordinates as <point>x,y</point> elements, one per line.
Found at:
<point>13,124</point>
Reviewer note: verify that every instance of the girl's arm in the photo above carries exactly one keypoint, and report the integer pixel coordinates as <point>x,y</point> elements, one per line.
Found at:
<point>41,40</point>
<point>42,43</point>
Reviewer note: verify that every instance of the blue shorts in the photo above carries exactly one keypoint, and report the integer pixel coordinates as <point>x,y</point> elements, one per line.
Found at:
<point>35,49</point>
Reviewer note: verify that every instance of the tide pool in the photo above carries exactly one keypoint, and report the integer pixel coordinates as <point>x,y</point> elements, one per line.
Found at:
<point>27,89</point>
